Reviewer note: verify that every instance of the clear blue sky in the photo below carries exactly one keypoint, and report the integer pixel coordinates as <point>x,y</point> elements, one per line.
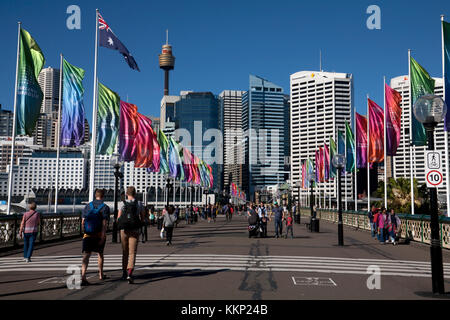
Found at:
<point>217,44</point>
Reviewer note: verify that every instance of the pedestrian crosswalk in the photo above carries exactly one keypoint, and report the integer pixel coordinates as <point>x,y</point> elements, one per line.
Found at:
<point>224,262</point>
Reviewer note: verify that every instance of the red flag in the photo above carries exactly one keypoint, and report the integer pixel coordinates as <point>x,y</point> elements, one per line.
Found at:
<point>376,134</point>
<point>144,143</point>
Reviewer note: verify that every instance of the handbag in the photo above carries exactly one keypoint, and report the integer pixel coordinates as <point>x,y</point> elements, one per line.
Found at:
<point>161,234</point>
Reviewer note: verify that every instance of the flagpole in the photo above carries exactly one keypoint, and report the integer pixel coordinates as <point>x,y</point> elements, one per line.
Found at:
<point>11,167</point>
<point>368,153</point>
<point>157,188</point>
<point>355,160</point>
<point>447,180</point>
<point>345,174</point>
<point>410,133</point>
<point>94,115</point>
<point>385,151</point>
<point>58,134</point>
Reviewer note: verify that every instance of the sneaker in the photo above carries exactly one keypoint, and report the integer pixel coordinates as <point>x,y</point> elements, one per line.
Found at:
<point>167,243</point>
<point>130,279</point>
<point>124,275</point>
<point>28,260</point>
<point>84,283</point>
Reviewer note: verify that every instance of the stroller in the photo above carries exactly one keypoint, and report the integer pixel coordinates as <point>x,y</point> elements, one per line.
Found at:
<point>254,226</point>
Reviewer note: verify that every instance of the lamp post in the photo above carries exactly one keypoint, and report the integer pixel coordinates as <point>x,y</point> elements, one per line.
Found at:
<point>311,198</point>
<point>430,110</point>
<point>169,186</point>
<point>298,185</point>
<point>116,164</point>
<point>339,163</point>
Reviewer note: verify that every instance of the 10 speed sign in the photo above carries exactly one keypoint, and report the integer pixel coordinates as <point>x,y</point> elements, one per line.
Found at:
<point>433,169</point>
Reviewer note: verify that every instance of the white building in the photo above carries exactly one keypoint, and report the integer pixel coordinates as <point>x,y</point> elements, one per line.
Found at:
<point>401,161</point>
<point>167,109</point>
<point>321,102</point>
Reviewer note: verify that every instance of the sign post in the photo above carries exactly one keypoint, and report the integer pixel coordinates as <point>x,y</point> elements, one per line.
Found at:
<point>433,169</point>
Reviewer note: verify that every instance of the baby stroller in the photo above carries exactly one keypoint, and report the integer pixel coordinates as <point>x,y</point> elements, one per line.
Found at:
<point>254,227</point>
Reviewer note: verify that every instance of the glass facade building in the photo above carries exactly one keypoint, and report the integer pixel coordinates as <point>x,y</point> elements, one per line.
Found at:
<point>264,108</point>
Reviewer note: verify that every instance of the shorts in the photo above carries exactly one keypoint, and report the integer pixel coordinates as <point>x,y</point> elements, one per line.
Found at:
<point>93,244</point>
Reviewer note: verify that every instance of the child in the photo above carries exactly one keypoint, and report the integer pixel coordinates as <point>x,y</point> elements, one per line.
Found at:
<point>289,226</point>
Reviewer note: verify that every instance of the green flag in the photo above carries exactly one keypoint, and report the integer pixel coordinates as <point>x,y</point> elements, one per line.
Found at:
<point>29,93</point>
<point>107,119</point>
<point>421,84</point>
<point>163,143</point>
<point>350,151</point>
<point>333,170</point>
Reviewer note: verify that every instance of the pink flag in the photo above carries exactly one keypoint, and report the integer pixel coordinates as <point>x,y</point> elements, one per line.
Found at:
<point>127,131</point>
<point>393,119</point>
<point>361,141</point>
<point>144,143</point>
<point>376,127</point>
<point>156,153</point>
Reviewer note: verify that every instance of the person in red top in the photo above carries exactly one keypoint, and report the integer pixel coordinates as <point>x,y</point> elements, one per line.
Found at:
<point>289,226</point>
<point>29,229</point>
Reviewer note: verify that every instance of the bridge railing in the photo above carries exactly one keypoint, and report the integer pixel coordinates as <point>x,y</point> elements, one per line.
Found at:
<point>413,227</point>
<point>53,227</point>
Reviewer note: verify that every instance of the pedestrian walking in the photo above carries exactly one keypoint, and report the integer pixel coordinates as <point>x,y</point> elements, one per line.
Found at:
<point>152,216</point>
<point>279,215</point>
<point>381,222</point>
<point>375,223</point>
<point>130,219</point>
<point>394,224</point>
<point>289,226</point>
<point>29,229</point>
<point>168,223</point>
<point>95,218</point>
<point>371,214</point>
<point>209,213</point>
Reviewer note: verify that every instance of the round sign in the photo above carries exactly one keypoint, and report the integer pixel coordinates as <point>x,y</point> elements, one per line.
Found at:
<point>434,177</point>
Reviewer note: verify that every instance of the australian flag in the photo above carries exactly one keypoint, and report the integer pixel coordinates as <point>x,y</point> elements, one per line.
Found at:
<point>109,40</point>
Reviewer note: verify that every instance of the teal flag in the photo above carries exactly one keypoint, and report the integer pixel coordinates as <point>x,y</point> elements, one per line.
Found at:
<point>421,84</point>
<point>350,150</point>
<point>107,120</point>
<point>164,147</point>
<point>341,143</point>
<point>333,170</point>
<point>29,93</point>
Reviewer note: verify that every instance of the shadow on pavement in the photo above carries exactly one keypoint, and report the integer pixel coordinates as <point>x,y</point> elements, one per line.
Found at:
<point>32,291</point>
<point>159,276</point>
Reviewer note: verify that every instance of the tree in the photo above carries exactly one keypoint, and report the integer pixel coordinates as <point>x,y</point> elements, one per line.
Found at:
<point>399,196</point>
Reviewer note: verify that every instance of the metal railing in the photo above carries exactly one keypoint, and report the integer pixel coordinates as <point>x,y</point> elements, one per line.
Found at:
<point>53,227</point>
<point>413,227</point>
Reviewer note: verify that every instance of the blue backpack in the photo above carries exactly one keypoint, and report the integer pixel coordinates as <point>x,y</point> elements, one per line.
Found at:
<point>93,220</point>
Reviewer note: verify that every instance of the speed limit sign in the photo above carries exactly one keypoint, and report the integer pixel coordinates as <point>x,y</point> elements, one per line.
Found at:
<point>433,169</point>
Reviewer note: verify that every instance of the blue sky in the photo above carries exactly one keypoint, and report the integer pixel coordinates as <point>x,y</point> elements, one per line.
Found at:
<point>217,44</point>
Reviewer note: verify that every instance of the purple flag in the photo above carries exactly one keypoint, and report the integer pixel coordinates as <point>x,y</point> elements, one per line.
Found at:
<point>393,118</point>
<point>129,123</point>
<point>361,141</point>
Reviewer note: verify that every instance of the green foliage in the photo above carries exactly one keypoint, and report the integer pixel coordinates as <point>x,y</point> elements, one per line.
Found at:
<point>399,196</point>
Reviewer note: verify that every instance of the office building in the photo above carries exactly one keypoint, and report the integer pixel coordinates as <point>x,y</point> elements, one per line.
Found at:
<point>321,102</point>
<point>401,161</point>
<point>23,148</point>
<point>230,123</point>
<point>265,131</point>
<point>6,122</point>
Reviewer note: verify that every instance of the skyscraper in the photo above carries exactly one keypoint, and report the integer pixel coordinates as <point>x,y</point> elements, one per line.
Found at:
<point>6,122</point>
<point>197,114</point>
<point>263,121</point>
<point>230,123</point>
<point>401,161</point>
<point>321,102</point>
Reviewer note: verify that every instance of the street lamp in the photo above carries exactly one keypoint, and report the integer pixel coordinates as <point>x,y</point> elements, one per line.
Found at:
<point>430,110</point>
<point>339,163</point>
<point>116,163</point>
<point>169,186</point>
<point>298,185</point>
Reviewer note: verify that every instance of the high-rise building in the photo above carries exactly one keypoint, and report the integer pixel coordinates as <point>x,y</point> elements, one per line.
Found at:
<point>167,109</point>
<point>321,102</point>
<point>401,161</point>
<point>6,122</point>
<point>197,114</point>
<point>265,131</point>
<point>23,148</point>
<point>230,123</point>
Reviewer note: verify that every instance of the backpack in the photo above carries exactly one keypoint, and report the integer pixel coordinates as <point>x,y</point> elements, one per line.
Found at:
<point>129,219</point>
<point>93,222</point>
<point>253,219</point>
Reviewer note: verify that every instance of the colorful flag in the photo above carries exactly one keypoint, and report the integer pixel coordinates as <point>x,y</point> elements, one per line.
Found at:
<point>211,177</point>
<point>187,165</point>
<point>72,111</point>
<point>109,40</point>
<point>196,167</point>
<point>156,153</point>
<point>107,120</point>
<point>333,170</point>
<point>304,175</point>
<point>321,166</point>
<point>128,129</point>
<point>421,84</point>
<point>29,93</point>
<point>350,152</point>
<point>326,160</point>
<point>341,143</point>
<point>376,127</point>
<point>175,163</point>
<point>164,151</point>
<point>393,120</point>
<point>361,141</point>
<point>317,165</point>
<point>144,143</point>
<point>446,49</point>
